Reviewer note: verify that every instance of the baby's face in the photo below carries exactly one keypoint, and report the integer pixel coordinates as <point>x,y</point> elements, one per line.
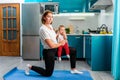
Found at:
<point>62,30</point>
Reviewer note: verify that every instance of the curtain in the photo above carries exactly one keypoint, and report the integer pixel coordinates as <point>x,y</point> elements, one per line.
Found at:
<point>116,41</point>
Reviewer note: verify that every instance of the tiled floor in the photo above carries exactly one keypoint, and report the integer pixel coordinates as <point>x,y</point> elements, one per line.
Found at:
<point>7,63</point>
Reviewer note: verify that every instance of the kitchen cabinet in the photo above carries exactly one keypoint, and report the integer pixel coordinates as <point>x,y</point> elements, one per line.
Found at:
<point>65,6</point>
<point>108,51</point>
<point>76,41</point>
<point>88,49</point>
<point>77,6</point>
<point>98,52</point>
<point>41,51</point>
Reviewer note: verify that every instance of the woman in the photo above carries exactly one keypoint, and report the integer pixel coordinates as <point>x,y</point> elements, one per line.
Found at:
<point>49,42</point>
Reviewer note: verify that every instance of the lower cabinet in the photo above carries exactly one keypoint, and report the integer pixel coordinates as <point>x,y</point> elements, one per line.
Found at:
<point>98,51</point>
<point>88,49</point>
<point>41,51</point>
<point>109,51</point>
<point>76,41</point>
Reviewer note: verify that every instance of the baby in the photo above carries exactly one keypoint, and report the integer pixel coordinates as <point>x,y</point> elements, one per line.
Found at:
<point>61,35</point>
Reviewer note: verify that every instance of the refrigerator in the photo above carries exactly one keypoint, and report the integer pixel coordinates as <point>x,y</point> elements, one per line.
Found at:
<point>30,31</point>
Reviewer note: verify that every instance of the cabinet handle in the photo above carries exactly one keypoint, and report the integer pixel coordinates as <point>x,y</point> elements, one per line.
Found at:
<point>90,41</point>
<point>77,37</point>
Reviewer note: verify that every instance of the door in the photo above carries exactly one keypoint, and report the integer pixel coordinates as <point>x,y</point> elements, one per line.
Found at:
<point>9,30</point>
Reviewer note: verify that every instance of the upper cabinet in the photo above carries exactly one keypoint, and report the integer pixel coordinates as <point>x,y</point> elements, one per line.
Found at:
<point>66,6</point>
<point>71,6</point>
<point>75,6</point>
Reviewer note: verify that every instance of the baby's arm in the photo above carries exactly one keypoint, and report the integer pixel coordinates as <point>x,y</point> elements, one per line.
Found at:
<point>65,36</point>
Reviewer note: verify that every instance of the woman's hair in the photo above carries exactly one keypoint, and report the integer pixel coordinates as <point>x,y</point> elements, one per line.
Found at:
<point>44,15</point>
<point>61,27</point>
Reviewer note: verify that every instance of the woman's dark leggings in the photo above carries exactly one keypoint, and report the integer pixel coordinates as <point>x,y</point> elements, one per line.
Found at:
<point>49,57</point>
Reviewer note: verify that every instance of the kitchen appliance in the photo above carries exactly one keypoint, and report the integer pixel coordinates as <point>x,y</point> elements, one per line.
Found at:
<point>30,31</point>
<point>93,31</point>
<point>102,28</point>
<point>52,6</point>
<point>101,5</point>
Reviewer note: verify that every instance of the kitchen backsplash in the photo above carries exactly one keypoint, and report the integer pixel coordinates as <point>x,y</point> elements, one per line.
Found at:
<point>77,25</point>
<point>107,17</point>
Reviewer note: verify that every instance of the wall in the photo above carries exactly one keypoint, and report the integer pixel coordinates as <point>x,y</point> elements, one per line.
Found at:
<point>89,22</point>
<point>107,17</point>
<point>110,18</point>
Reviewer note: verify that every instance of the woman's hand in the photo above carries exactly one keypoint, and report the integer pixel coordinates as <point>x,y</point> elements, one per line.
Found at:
<point>51,44</point>
<point>62,42</point>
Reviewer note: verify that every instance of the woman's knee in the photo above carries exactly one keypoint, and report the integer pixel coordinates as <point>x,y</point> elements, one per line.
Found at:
<point>48,75</point>
<point>72,50</point>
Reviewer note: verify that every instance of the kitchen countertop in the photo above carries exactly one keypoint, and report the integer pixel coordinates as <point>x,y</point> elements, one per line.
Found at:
<point>92,34</point>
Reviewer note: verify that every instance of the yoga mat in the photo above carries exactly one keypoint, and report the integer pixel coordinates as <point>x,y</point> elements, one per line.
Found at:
<point>17,74</point>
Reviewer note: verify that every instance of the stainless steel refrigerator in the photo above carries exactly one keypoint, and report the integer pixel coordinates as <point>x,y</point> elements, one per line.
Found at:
<point>30,31</point>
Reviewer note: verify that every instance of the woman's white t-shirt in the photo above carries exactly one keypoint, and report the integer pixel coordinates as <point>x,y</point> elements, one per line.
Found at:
<point>46,33</point>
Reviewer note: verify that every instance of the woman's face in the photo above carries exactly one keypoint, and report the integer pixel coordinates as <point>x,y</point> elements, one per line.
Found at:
<point>48,18</point>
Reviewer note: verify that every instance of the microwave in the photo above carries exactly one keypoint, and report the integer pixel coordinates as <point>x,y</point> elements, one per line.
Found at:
<point>52,6</point>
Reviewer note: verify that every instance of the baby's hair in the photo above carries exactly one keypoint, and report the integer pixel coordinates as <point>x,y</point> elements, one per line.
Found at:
<point>61,26</point>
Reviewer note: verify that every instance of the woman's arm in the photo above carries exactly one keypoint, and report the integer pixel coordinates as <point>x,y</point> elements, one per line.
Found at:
<point>51,44</point>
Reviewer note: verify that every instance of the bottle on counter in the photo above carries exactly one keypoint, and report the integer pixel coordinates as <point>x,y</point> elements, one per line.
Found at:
<point>71,29</point>
<point>82,31</point>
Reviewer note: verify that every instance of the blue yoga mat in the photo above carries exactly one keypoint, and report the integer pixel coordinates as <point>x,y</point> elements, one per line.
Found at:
<point>17,74</point>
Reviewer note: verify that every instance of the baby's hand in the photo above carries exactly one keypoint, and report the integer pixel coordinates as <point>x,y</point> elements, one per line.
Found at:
<point>64,33</point>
